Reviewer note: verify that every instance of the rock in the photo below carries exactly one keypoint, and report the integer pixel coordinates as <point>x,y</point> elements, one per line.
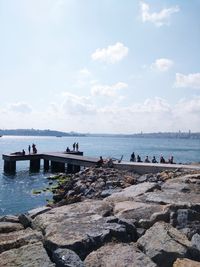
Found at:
<point>9,218</point>
<point>85,208</point>
<point>33,255</point>
<point>83,234</point>
<point>196,241</point>
<point>131,192</point>
<point>170,197</point>
<point>66,258</point>
<point>109,192</point>
<point>186,263</point>
<point>19,238</point>
<point>25,220</point>
<point>114,255</point>
<point>136,211</point>
<point>6,227</point>
<point>81,227</point>
<point>34,212</point>
<point>164,244</point>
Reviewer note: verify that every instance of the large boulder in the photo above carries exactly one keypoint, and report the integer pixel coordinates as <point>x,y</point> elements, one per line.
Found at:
<point>32,255</point>
<point>135,211</point>
<point>164,244</point>
<point>82,227</point>
<point>17,239</point>
<point>59,214</point>
<point>117,255</point>
<point>131,192</point>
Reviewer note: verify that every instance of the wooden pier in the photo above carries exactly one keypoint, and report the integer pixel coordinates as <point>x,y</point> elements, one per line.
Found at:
<point>71,163</point>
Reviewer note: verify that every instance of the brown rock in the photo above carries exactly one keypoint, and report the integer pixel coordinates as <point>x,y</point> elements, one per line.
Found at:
<point>6,227</point>
<point>19,238</point>
<point>33,255</point>
<point>118,255</point>
<point>186,263</point>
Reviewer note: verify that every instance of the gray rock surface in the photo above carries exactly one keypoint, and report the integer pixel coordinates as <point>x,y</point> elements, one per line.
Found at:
<point>33,255</point>
<point>34,212</point>
<point>118,255</point>
<point>66,258</point>
<point>19,238</point>
<point>6,227</point>
<point>196,241</point>
<point>131,192</point>
<point>164,244</point>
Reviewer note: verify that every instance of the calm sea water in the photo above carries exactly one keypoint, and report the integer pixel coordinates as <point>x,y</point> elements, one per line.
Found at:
<point>16,190</point>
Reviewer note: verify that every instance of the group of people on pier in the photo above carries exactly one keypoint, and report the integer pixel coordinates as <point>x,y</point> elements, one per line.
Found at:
<point>75,147</point>
<point>137,158</point>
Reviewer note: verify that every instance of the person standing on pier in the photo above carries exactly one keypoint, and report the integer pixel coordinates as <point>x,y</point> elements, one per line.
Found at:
<point>29,149</point>
<point>77,146</point>
<point>74,146</point>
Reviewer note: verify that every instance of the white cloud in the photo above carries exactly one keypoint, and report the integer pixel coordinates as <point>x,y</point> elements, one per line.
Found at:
<point>191,80</point>
<point>77,105</point>
<point>85,72</point>
<point>162,64</point>
<point>158,18</point>
<point>20,108</point>
<point>108,90</point>
<point>111,54</point>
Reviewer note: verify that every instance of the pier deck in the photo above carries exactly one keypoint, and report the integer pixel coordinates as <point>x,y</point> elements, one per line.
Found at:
<point>74,160</point>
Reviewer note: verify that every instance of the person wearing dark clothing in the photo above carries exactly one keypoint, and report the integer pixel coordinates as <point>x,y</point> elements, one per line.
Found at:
<point>154,160</point>
<point>77,146</point>
<point>147,159</point>
<point>67,150</point>
<point>162,160</point>
<point>138,159</point>
<point>133,157</point>
<point>29,149</point>
<point>74,146</point>
<point>100,162</point>
<point>23,152</point>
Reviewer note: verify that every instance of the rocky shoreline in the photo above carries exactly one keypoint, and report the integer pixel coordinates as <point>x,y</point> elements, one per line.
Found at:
<point>104,217</point>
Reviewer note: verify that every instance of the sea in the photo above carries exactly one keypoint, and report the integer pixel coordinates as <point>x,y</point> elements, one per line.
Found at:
<point>16,191</point>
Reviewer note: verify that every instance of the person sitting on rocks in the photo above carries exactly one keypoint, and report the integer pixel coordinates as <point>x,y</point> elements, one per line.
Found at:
<point>139,158</point>
<point>132,157</point>
<point>171,160</point>
<point>100,162</point>
<point>162,160</point>
<point>147,159</point>
<point>154,160</point>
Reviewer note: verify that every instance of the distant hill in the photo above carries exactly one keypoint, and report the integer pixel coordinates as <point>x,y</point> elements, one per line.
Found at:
<point>34,132</point>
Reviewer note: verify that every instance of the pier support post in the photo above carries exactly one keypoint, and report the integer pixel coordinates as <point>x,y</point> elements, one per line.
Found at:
<point>46,165</point>
<point>57,166</point>
<point>34,165</point>
<point>9,166</point>
<point>73,168</point>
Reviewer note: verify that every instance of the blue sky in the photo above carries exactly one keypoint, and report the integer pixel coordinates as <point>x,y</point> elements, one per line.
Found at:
<point>100,65</point>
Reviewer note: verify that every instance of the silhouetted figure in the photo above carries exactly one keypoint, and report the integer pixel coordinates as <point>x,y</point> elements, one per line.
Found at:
<point>100,162</point>
<point>147,159</point>
<point>138,159</point>
<point>133,157</point>
<point>67,150</point>
<point>171,160</point>
<point>23,152</point>
<point>162,160</point>
<point>154,160</point>
<point>34,148</point>
<point>77,146</point>
<point>29,149</point>
<point>74,146</point>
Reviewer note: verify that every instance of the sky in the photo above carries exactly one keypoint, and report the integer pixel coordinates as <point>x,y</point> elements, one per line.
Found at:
<point>100,66</point>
